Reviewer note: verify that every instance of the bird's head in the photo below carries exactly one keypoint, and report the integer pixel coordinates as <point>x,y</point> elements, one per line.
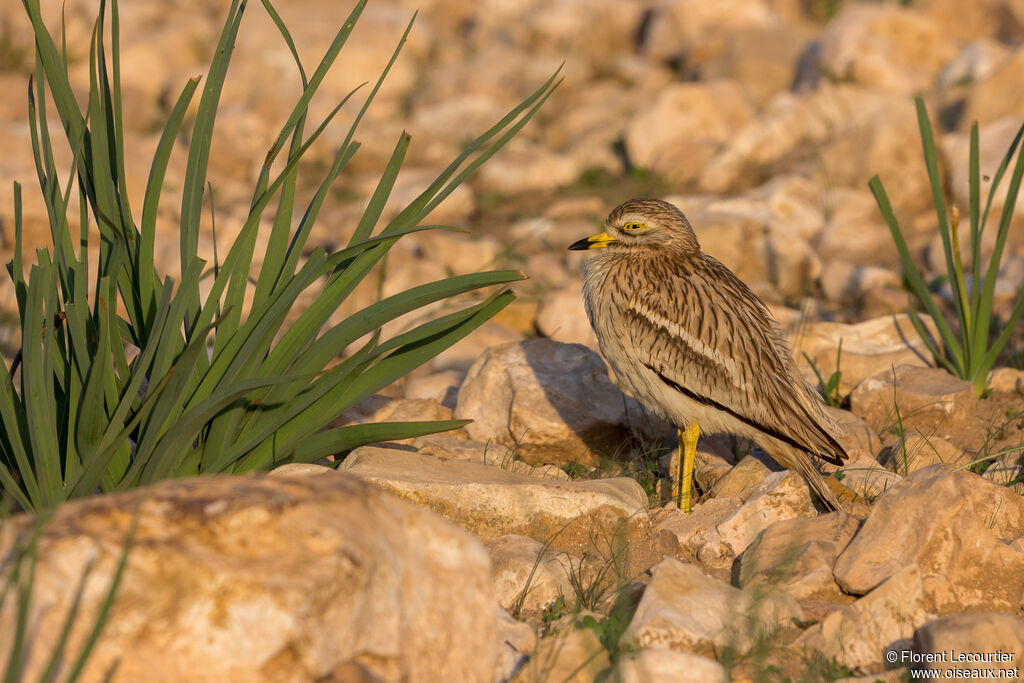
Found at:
<point>643,224</point>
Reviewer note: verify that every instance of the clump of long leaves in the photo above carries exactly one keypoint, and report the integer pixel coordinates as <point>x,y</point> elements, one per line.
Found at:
<point>969,352</point>
<point>106,401</point>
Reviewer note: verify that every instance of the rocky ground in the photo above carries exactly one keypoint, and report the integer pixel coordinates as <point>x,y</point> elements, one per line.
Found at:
<point>539,542</point>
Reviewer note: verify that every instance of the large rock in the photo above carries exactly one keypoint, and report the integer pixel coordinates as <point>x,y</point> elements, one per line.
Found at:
<point>991,634</point>
<point>928,400</point>
<point>492,502</point>
<point>868,348</point>
<point>553,401</point>
<point>796,556</point>
<point>266,579</point>
<point>955,527</point>
<point>684,609</point>
<point>893,48</point>
<point>857,636</point>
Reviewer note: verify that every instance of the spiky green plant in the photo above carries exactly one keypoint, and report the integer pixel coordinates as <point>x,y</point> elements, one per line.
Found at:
<point>968,352</point>
<point>209,388</point>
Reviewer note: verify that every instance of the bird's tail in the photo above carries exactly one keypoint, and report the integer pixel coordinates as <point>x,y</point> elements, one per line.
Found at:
<point>800,462</point>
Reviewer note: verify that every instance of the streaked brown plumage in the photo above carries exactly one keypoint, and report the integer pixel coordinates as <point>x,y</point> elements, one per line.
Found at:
<point>694,344</point>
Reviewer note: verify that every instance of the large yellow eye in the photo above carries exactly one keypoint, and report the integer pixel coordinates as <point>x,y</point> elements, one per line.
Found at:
<point>633,227</point>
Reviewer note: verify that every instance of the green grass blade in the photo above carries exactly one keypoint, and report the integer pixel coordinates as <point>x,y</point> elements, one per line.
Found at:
<point>437,190</point>
<point>992,273</point>
<point>199,153</point>
<point>380,195</point>
<point>37,377</point>
<point>147,279</point>
<point>341,439</point>
<point>974,183</point>
<point>172,447</point>
<point>913,275</point>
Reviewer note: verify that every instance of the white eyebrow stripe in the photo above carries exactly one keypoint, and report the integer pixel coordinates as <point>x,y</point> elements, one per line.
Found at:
<point>683,336</point>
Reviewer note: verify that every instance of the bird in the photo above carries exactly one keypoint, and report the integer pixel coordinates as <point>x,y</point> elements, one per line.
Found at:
<point>696,346</point>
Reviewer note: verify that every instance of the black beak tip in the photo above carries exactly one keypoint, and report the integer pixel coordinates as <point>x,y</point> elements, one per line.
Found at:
<point>581,245</point>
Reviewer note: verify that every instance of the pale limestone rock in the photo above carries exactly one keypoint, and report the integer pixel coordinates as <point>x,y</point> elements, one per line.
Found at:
<point>267,579</point>
<point>856,436</point>
<point>1006,379</point>
<point>683,119</point>
<point>563,318</point>
<point>694,537</point>
<point>857,636</point>
<point>553,402</point>
<point>741,481</point>
<point>987,102</point>
<point>528,575</point>
<point>492,502</point>
<point>868,347</point>
<point>955,527</point>
<point>440,386</point>
<point>977,633</point>
<point>796,555</point>
<point>782,495</point>
<point>929,400</point>
<point>898,49</point>
<point>450,448</point>
<point>666,665</point>
<point>915,452</point>
<point>684,609</point>
<point>574,656</point>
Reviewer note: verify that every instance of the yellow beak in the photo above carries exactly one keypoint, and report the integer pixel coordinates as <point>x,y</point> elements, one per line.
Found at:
<point>595,242</point>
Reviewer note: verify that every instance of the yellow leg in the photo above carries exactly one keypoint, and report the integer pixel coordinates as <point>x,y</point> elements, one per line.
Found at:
<point>687,454</point>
